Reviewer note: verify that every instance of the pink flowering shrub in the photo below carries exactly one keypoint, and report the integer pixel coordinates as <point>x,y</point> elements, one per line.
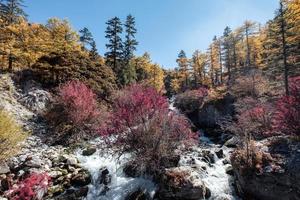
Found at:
<point>141,124</point>
<point>287,115</point>
<point>33,187</point>
<point>190,100</point>
<point>79,102</point>
<point>76,113</point>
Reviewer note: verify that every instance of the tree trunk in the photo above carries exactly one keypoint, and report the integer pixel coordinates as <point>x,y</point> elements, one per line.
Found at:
<point>284,53</point>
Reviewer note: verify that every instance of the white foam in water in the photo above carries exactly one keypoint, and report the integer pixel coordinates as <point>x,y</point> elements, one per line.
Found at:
<point>215,176</point>
<point>120,185</point>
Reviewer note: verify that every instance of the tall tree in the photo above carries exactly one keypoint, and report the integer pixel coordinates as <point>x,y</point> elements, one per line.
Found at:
<point>183,65</point>
<point>11,11</point>
<point>94,51</point>
<point>115,46</point>
<point>281,46</point>
<point>249,29</point>
<point>228,49</point>
<point>86,37</point>
<point>284,50</point>
<point>130,41</point>
<point>199,63</point>
<point>129,74</point>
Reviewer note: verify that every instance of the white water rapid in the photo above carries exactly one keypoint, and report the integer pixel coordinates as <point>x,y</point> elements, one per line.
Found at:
<point>212,173</point>
<point>120,185</point>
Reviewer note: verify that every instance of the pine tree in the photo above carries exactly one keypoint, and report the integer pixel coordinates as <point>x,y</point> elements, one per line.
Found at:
<point>249,29</point>
<point>94,51</point>
<point>183,69</point>
<point>199,63</point>
<point>86,37</point>
<point>11,11</point>
<point>129,74</point>
<point>130,41</point>
<point>115,46</point>
<point>215,61</point>
<point>228,49</point>
<point>281,46</point>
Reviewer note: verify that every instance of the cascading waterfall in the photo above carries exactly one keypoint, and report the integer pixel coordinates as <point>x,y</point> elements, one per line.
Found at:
<point>120,185</point>
<point>212,174</point>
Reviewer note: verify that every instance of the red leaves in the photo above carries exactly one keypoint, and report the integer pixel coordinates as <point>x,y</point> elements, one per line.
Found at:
<point>141,124</point>
<point>79,101</point>
<point>134,106</point>
<point>287,115</point>
<point>33,187</point>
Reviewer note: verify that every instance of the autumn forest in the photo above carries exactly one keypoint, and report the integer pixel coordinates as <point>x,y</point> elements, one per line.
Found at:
<point>223,123</point>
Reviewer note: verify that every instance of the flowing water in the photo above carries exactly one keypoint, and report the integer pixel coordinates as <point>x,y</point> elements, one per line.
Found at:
<point>120,185</point>
<point>213,174</point>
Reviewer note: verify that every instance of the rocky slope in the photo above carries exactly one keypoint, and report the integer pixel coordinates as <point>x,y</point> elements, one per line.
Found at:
<point>278,179</point>
<point>36,156</point>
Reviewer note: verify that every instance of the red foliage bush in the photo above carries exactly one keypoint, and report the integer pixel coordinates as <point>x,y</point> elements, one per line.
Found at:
<point>33,187</point>
<point>76,114</point>
<point>142,125</point>
<point>135,105</point>
<point>191,100</point>
<point>287,115</point>
<point>79,101</point>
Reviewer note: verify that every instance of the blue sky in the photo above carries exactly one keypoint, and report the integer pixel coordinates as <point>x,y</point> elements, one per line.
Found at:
<point>164,26</point>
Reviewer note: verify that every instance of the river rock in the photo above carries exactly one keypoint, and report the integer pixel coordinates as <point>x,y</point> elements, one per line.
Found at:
<point>208,156</point>
<point>55,174</point>
<point>89,151</point>
<point>232,142</point>
<point>70,160</point>
<point>4,183</point>
<point>34,162</point>
<point>229,170</point>
<point>180,184</point>
<point>139,194</point>
<point>215,110</point>
<point>280,181</point>
<point>105,177</point>
<point>4,168</point>
<point>132,169</point>
<point>83,178</point>
<point>219,153</point>
<point>74,194</point>
<point>171,161</point>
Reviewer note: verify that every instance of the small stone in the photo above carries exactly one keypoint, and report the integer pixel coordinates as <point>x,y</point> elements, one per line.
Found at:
<point>225,162</point>
<point>89,151</point>
<point>83,178</point>
<point>55,174</point>
<point>219,153</point>
<point>4,169</point>
<point>229,170</point>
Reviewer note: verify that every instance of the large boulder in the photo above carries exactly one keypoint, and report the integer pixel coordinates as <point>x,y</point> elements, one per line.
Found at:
<point>215,110</point>
<point>277,181</point>
<point>181,184</point>
<point>83,178</point>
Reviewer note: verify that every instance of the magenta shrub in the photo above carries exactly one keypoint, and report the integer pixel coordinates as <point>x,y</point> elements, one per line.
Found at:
<point>79,102</point>
<point>287,115</point>
<point>32,187</point>
<point>141,124</point>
